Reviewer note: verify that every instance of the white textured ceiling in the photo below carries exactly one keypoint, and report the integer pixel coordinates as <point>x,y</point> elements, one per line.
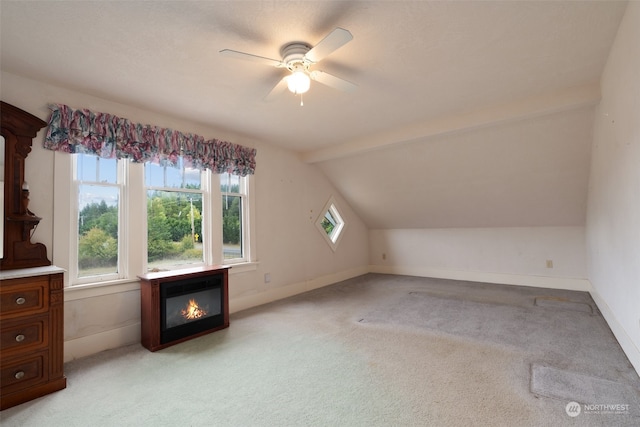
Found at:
<point>431,76</point>
<point>411,60</point>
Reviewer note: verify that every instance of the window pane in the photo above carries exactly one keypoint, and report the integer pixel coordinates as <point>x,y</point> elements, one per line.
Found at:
<point>229,183</point>
<point>86,168</point>
<point>232,227</point>
<point>153,175</point>
<point>171,177</point>
<point>95,169</point>
<point>97,230</point>
<point>174,228</point>
<point>108,171</point>
<point>328,223</point>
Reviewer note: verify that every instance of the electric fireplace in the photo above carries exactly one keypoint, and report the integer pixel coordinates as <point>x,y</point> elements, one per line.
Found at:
<point>180,305</point>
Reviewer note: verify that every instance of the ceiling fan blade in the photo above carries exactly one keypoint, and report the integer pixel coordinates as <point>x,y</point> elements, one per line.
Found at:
<point>277,89</point>
<point>333,41</point>
<point>249,57</point>
<point>332,81</point>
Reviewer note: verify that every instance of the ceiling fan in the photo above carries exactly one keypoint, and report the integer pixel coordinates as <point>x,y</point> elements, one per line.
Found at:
<point>298,58</point>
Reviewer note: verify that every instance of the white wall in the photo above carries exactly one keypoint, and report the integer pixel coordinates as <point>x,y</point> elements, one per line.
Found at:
<point>289,197</point>
<point>499,255</point>
<point>613,213</point>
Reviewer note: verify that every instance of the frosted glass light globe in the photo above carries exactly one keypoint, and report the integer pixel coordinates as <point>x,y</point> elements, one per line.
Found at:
<point>299,82</point>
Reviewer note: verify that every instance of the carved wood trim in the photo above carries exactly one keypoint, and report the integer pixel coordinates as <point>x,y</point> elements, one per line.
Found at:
<point>19,128</point>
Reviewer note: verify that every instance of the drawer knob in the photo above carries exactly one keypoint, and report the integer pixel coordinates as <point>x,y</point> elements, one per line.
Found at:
<point>19,337</point>
<point>19,375</point>
<point>20,300</point>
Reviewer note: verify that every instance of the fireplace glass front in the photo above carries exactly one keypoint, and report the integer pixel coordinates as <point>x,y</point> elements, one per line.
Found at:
<point>190,306</point>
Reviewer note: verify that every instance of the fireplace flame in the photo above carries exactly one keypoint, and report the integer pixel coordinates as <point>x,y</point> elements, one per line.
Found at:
<point>192,311</point>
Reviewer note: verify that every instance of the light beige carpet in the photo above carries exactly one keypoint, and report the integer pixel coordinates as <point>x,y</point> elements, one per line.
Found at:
<point>372,351</point>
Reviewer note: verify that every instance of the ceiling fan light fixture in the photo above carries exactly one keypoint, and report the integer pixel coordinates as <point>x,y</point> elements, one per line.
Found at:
<point>299,82</point>
<point>298,57</point>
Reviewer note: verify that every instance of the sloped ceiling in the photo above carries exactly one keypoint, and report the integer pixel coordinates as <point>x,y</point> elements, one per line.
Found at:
<point>466,113</point>
<point>533,172</point>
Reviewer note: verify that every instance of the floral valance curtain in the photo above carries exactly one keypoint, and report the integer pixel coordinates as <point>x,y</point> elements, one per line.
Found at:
<point>108,136</point>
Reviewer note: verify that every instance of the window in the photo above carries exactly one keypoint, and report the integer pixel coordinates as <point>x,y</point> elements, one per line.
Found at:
<point>98,185</point>
<point>120,219</point>
<point>331,224</point>
<point>233,190</point>
<point>175,206</point>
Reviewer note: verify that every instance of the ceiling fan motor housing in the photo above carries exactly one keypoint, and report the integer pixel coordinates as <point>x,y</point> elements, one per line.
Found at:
<point>293,55</point>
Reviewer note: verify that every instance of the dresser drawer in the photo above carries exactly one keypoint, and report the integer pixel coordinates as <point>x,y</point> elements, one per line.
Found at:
<point>18,374</point>
<point>20,335</point>
<point>24,297</point>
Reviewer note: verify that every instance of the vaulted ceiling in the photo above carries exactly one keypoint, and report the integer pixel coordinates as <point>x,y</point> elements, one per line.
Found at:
<point>466,113</point>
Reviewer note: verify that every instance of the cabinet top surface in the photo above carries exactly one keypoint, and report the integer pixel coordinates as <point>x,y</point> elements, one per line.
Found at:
<point>183,272</point>
<point>30,272</point>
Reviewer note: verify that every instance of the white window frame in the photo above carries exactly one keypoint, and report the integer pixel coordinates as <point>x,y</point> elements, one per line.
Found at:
<point>336,235</point>
<point>245,220</point>
<point>207,242</point>
<point>121,184</point>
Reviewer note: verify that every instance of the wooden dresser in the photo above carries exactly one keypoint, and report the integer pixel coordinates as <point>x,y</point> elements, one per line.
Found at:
<point>31,320</point>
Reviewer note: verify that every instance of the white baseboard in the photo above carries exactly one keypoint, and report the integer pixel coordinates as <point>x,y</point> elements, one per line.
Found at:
<point>573,284</point>
<point>95,343</point>
<point>625,341</point>
<point>247,301</point>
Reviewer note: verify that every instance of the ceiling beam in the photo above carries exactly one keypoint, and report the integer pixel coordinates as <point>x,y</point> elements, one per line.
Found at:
<point>540,105</point>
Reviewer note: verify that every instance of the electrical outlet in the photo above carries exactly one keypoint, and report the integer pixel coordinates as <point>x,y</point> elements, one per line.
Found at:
<point>549,263</point>
<point>267,277</point>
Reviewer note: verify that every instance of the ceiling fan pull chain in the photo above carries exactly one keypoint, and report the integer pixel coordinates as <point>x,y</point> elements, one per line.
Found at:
<point>301,102</point>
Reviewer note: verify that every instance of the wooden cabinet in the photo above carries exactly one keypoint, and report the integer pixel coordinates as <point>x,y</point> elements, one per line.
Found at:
<point>18,129</point>
<point>32,334</point>
<point>31,298</point>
